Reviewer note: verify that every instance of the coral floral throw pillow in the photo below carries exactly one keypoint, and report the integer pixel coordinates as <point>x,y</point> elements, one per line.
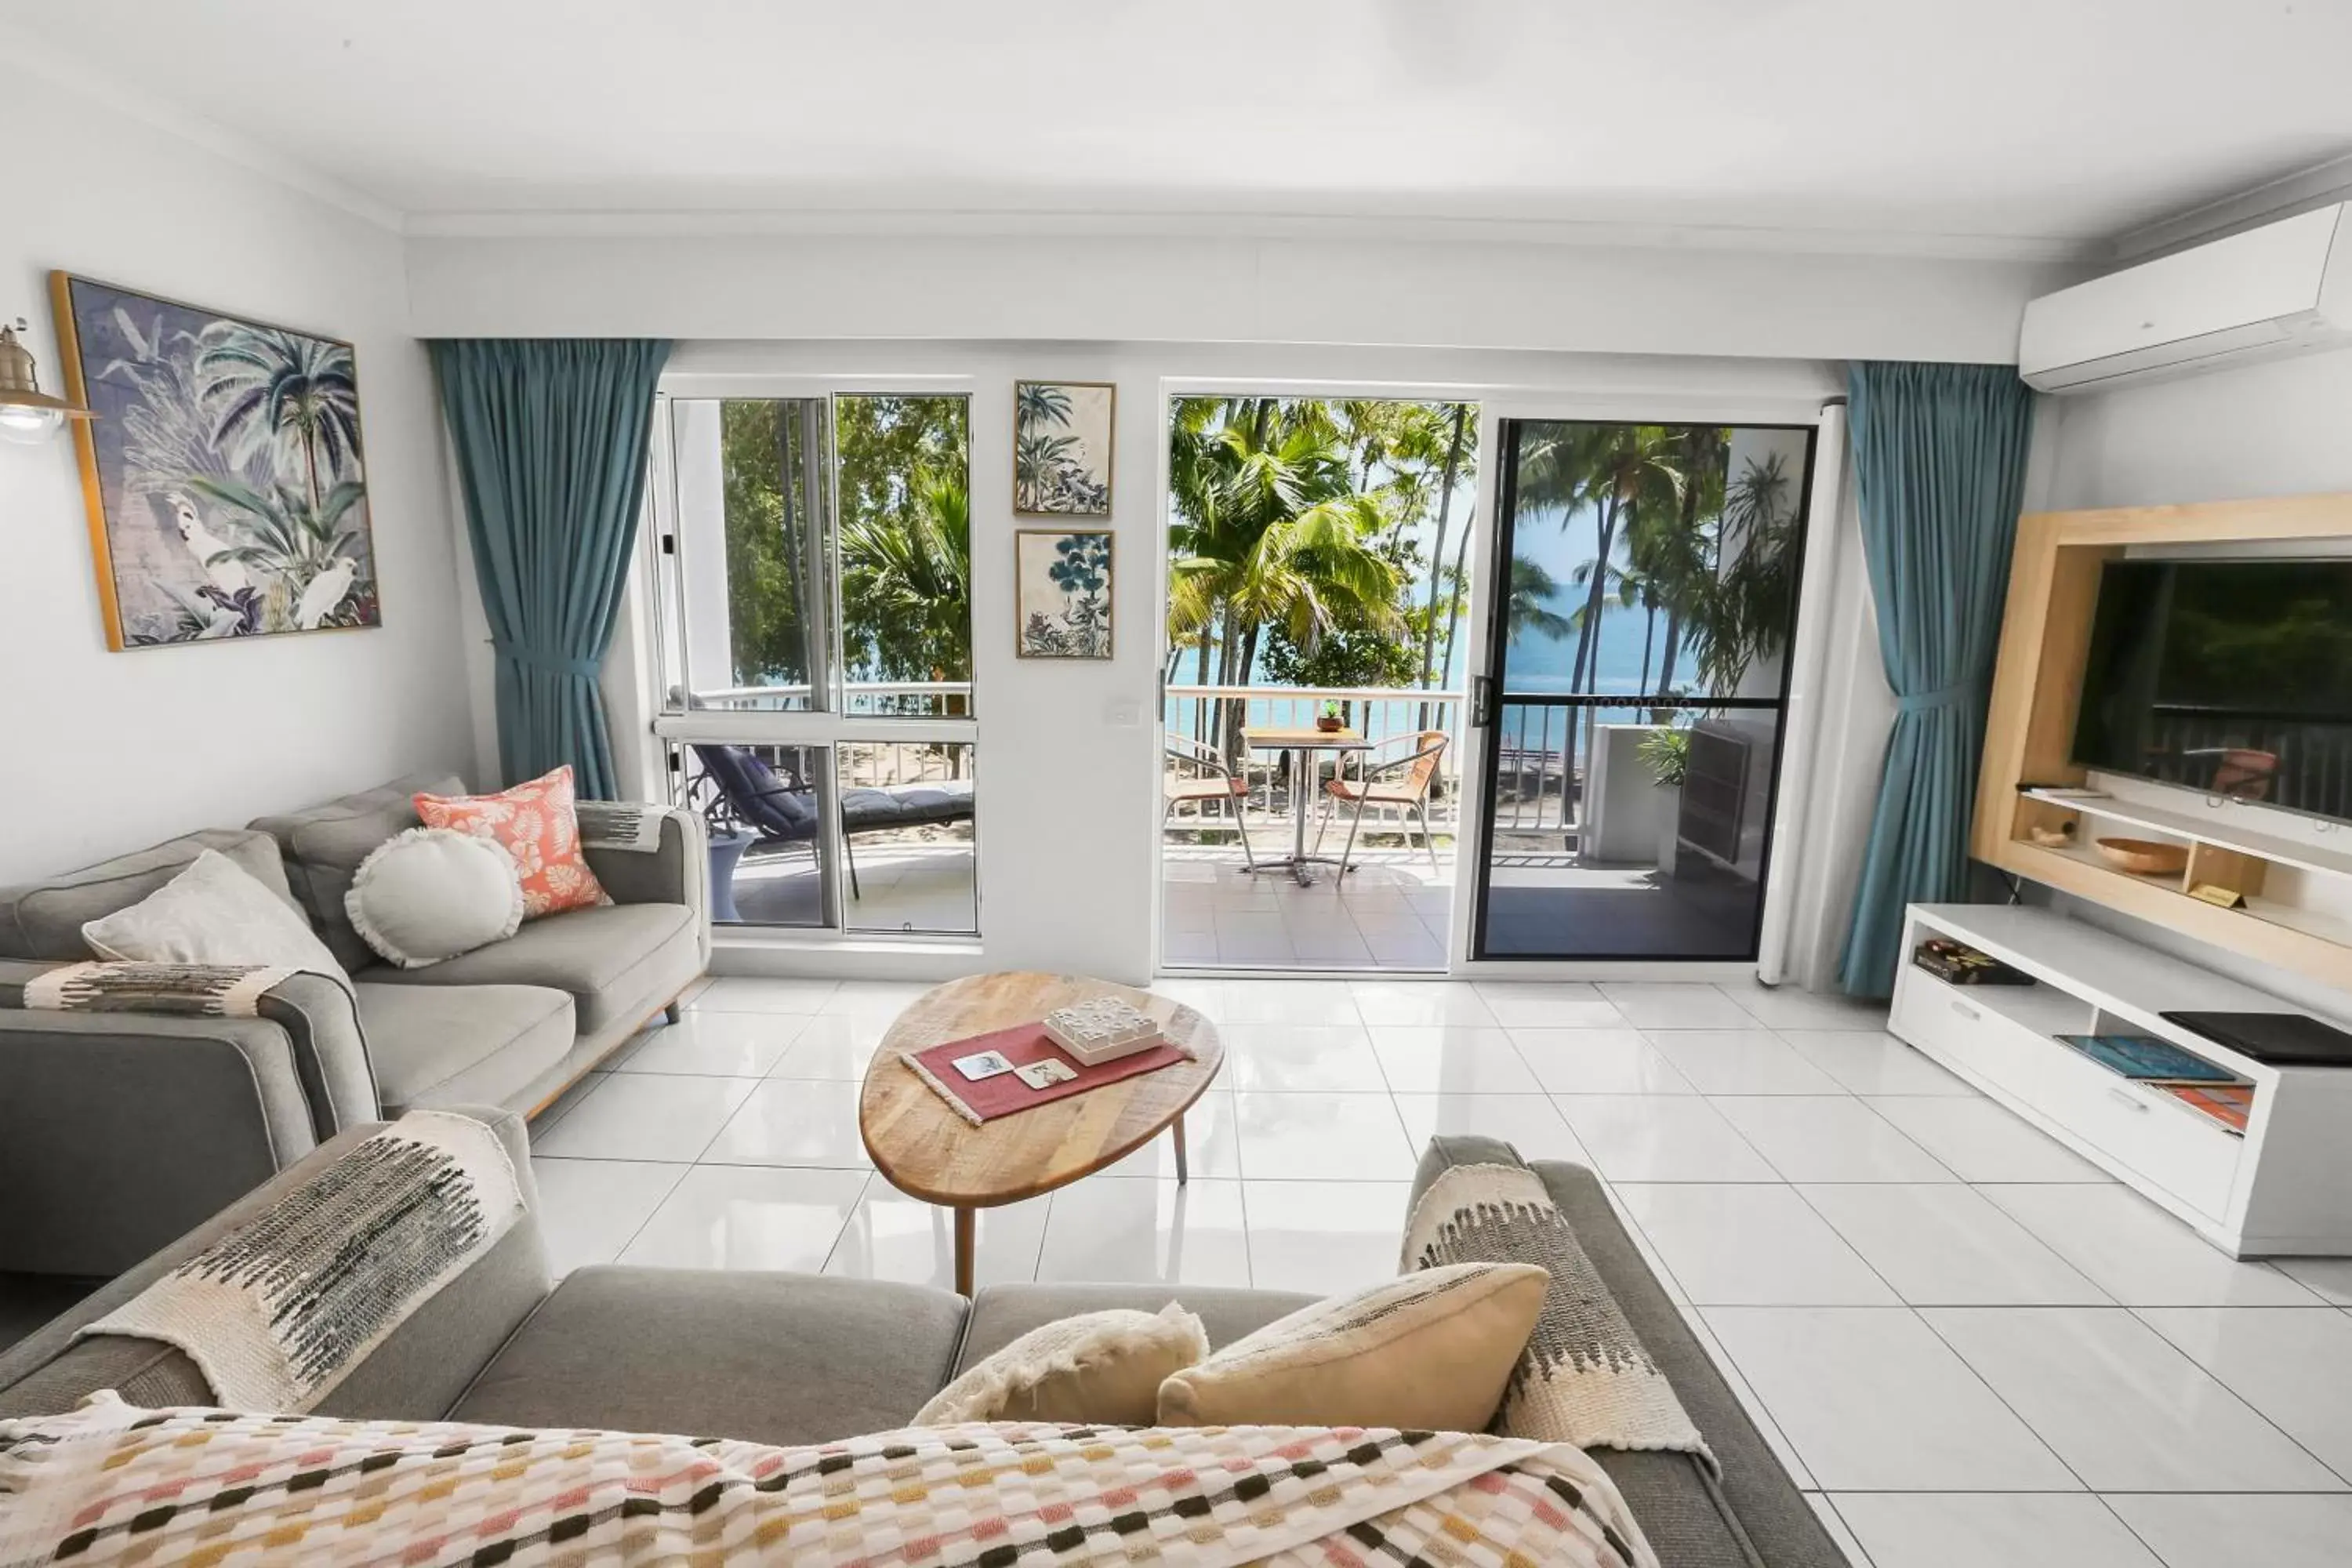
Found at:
<point>535,824</point>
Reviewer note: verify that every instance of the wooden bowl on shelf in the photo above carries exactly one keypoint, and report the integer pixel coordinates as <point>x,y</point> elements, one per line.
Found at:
<point>2145,856</point>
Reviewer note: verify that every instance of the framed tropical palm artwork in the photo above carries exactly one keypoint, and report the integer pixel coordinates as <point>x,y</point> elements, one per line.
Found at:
<point>1062,592</point>
<point>225,476</point>
<point>1062,447</point>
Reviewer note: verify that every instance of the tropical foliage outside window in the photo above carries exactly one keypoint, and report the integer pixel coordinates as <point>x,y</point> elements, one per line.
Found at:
<point>1702,556</point>
<point>902,494</point>
<point>1315,541</point>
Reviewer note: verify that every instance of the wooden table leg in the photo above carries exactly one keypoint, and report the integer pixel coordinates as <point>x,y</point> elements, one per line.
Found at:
<point>1183,1174</point>
<point>964,1230</point>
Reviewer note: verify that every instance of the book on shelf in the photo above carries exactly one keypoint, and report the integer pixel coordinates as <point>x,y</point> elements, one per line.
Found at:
<point>2145,1056</point>
<point>1958,964</point>
<point>2226,1103</point>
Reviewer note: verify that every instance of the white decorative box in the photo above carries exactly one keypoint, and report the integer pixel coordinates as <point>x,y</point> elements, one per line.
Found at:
<point>1102,1029</point>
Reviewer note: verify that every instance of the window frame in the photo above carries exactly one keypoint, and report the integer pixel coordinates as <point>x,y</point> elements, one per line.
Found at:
<point>825,723</point>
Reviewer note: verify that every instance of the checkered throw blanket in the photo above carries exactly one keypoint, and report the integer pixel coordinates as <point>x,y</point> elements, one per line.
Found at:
<point>112,1484</point>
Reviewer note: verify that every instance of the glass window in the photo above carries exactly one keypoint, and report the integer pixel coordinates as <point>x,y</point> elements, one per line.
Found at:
<point>908,837</point>
<point>814,575</point>
<point>768,817</point>
<point>904,475</point>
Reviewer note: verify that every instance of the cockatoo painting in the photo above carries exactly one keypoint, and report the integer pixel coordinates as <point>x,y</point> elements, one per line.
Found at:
<point>326,591</point>
<point>230,577</point>
<point>227,488</point>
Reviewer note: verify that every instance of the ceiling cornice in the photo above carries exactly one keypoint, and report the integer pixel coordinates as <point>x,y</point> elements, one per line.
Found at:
<point>858,223</point>
<point>2283,197</point>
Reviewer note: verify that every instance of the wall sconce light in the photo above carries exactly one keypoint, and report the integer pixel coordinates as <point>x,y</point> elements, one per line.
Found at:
<point>27,415</point>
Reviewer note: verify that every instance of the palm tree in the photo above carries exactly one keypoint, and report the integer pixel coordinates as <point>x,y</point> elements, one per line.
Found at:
<point>909,575</point>
<point>1619,474</point>
<point>297,398</point>
<point>1268,532</point>
<point>1529,608</point>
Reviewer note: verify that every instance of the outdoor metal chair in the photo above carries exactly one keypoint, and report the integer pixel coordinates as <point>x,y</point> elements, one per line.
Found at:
<point>1217,782</point>
<point>1403,782</point>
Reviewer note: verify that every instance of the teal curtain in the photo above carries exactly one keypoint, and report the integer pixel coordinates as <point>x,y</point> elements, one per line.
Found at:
<point>1940,466</point>
<point>551,438</point>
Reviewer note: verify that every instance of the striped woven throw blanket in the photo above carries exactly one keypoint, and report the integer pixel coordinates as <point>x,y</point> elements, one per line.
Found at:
<point>1585,1377</point>
<point>195,990</point>
<point>277,1310</point>
<point>112,1484</point>
<point>619,825</point>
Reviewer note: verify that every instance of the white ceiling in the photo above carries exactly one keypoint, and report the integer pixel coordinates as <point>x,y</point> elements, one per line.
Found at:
<point>1961,124</point>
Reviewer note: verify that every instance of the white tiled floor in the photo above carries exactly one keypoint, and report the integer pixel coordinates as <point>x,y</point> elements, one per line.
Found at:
<point>1969,1346</point>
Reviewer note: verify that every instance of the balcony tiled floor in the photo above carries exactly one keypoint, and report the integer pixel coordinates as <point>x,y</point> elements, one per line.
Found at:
<point>1391,912</point>
<point>1967,1345</point>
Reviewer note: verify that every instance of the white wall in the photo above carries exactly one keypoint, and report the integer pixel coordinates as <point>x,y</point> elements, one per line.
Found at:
<point>2281,428</point>
<point>1067,770</point>
<point>104,752</point>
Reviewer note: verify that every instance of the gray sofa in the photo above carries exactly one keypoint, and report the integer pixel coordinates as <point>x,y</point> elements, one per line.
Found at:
<point>119,1131</point>
<point>790,1358</point>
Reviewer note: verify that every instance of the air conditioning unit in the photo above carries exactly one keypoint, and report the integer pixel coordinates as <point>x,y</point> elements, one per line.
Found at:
<point>2285,288</point>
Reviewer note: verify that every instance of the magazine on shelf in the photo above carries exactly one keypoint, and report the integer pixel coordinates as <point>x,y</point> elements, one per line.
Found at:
<point>2145,1056</point>
<point>2226,1103</point>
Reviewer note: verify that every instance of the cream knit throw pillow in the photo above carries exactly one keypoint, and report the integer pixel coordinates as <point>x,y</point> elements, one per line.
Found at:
<point>1100,1368</point>
<point>1429,1350</point>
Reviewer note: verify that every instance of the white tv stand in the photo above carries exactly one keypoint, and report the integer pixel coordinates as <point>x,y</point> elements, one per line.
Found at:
<point>2283,1188</point>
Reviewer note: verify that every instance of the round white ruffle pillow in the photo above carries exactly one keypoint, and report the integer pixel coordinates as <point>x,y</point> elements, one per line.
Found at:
<point>432,893</point>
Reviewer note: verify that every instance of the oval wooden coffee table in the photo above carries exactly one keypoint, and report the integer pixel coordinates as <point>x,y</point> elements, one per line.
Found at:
<point>926,1150</point>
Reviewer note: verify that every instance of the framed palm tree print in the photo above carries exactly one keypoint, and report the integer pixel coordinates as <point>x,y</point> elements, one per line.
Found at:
<point>1062,447</point>
<point>225,474</point>
<point>1062,588</point>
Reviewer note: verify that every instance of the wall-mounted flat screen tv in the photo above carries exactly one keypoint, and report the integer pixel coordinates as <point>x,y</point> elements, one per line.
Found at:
<point>2232,678</point>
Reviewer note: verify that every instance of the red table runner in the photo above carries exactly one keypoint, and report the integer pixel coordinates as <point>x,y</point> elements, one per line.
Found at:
<point>985,1099</point>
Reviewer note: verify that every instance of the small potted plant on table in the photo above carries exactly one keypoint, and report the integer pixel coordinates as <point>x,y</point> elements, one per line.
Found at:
<point>1332,719</point>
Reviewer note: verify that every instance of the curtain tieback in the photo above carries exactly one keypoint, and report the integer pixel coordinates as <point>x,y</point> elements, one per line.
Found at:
<point>1950,696</point>
<point>553,664</point>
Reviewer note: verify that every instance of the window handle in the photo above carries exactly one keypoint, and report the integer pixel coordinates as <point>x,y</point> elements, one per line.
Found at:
<point>1482,702</point>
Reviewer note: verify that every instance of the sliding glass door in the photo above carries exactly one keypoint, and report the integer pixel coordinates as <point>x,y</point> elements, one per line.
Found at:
<point>814,601</point>
<point>1645,601</point>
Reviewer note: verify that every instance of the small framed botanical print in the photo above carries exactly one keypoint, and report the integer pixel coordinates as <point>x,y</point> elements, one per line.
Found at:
<point>1062,447</point>
<point>1063,594</point>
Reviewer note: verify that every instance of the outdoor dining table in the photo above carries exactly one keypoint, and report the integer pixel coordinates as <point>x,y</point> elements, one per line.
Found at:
<point>1302,743</point>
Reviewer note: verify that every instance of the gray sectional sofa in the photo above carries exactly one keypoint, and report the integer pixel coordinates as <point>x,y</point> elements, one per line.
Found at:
<point>119,1131</point>
<point>790,1358</point>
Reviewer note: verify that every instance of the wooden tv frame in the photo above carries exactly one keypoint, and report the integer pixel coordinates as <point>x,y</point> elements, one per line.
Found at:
<point>2053,585</point>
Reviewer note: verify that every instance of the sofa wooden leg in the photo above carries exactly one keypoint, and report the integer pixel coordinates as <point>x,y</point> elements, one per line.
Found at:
<point>671,1014</point>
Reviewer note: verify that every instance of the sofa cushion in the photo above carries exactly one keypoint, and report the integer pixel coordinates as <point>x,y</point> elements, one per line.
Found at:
<point>474,1045</point>
<point>774,1358</point>
<point>44,920</point>
<point>213,913</point>
<point>1432,1349</point>
<point>1003,1313</point>
<point>611,959</point>
<point>430,893</point>
<point>324,843</point>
